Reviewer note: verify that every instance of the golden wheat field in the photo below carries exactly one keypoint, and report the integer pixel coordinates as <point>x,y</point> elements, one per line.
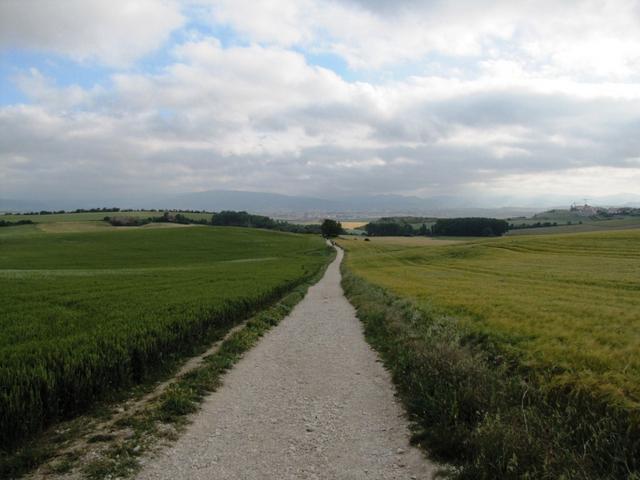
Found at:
<point>567,305</point>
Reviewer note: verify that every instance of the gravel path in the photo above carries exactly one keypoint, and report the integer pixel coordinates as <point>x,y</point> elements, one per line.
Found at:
<point>310,401</point>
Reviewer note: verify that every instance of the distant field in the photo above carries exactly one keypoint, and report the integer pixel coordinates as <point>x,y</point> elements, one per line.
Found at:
<point>80,227</point>
<point>401,242</point>
<point>89,216</point>
<point>566,305</point>
<point>353,225</point>
<point>93,226</point>
<point>587,225</point>
<point>89,311</point>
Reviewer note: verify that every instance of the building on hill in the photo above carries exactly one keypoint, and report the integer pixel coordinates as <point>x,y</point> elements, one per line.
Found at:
<point>584,210</point>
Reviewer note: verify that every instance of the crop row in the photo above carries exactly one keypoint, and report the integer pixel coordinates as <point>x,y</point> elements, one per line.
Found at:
<point>68,340</point>
<point>490,417</point>
<point>568,305</point>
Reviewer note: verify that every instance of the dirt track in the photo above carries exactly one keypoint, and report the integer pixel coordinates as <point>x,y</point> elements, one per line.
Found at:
<point>310,401</point>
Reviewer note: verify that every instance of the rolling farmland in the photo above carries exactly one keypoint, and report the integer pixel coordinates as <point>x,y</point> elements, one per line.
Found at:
<point>585,225</point>
<point>560,312</point>
<point>568,302</point>
<point>88,312</point>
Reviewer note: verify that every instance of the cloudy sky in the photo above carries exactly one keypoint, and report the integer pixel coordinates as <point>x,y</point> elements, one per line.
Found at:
<point>515,99</point>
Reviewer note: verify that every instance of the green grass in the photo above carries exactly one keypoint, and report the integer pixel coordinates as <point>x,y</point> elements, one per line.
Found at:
<point>516,357</point>
<point>88,313</point>
<point>19,231</point>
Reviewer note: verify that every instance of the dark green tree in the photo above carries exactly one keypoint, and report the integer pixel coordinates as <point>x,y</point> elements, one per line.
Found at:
<point>476,226</point>
<point>331,228</point>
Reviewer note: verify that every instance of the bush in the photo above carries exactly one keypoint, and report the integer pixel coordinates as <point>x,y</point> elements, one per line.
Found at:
<point>127,221</point>
<point>7,223</point>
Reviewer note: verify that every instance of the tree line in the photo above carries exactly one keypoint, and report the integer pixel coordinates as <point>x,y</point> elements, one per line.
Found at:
<point>470,227</point>
<point>458,227</point>
<point>102,209</point>
<point>8,223</point>
<point>226,218</point>
<point>520,226</point>
<point>231,218</point>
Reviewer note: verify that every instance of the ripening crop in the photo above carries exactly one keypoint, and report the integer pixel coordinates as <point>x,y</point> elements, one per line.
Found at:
<point>87,313</point>
<point>566,306</point>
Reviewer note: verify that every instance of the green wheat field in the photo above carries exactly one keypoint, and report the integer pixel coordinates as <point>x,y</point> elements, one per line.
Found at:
<point>97,308</point>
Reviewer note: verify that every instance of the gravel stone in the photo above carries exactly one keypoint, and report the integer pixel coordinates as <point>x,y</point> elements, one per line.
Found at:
<point>310,401</point>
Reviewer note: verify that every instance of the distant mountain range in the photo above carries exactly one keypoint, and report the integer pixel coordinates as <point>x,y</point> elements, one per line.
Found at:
<point>366,206</point>
<point>12,205</point>
<point>300,207</point>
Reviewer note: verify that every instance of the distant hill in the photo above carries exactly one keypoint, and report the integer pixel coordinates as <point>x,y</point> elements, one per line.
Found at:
<point>592,212</point>
<point>301,207</point>
<point>256,202</point>
<point>278,203</point>
<point>12,205</point>
<point>281,206</point>
<point>367,206</point>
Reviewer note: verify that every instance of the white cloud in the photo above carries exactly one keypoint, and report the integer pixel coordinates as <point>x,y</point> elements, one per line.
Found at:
<point>262,118</point>
<point>591,38</point>
<point>113,32</point>
<point>517,109</point>
<point>579,182</point>
<point>44,91</point>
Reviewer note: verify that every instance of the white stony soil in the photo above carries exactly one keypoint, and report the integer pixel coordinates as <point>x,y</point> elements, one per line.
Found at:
<point>310,401</point>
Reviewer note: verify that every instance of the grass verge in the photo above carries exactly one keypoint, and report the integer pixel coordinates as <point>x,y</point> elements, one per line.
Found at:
<point>479,409</point>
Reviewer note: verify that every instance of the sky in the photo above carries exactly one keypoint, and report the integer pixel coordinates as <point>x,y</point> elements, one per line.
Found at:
<point>525,101</point>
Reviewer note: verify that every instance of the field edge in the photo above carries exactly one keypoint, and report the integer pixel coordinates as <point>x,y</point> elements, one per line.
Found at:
<point>476,409</point>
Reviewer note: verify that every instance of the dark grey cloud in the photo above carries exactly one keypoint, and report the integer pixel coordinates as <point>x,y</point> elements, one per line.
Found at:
<point>394,7</point>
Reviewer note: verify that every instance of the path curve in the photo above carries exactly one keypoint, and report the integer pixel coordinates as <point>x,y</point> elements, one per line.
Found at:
<point>310,401</point>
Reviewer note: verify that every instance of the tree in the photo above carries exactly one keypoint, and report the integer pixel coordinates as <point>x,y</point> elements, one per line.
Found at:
<point>390,228</point>
<point>387,229</point>
<point>475,226</point>
<point>331,228</point>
